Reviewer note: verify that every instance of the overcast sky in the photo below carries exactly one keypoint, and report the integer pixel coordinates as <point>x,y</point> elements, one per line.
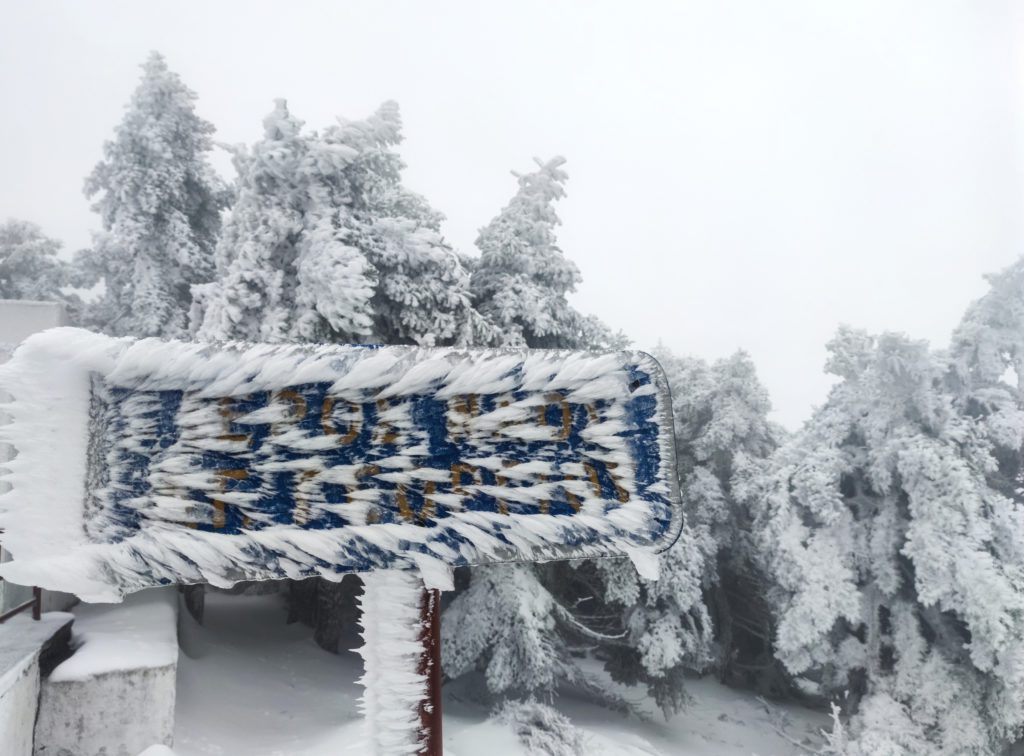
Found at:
<point>743,174</point>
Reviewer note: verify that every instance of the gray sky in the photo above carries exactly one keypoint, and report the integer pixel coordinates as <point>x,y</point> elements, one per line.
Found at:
<point>743,174</point>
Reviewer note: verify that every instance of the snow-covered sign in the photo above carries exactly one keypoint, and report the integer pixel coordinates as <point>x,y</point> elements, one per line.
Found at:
<point>150,462</point>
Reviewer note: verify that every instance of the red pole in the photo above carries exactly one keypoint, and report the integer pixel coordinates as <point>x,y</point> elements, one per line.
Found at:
<point>37,603</point>
<point>430,666</point>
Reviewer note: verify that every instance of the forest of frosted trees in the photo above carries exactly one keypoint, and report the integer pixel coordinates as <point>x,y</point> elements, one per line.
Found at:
<point>871,561</point>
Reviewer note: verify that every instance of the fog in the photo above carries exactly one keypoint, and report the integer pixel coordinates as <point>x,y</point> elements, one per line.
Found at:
<point>743,175</point>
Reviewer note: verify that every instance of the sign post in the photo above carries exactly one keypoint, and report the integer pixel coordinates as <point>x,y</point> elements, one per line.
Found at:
<point>198,463</point>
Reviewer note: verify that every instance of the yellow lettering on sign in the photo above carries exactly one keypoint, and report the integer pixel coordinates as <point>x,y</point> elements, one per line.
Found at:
<point>458,468</point>
<point>301,513</point>
<point>387,434</point>
<point>566,412</point>
<point>461,410</point>
<point>227,414</point>
<point>220,507</point>
<point>429,505</point>
<point>354,423</point>
<point>297,402</point>
<point>620,493</point>
<point>403,504</point>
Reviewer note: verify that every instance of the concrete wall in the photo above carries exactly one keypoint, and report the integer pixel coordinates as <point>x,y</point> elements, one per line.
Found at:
<point>27,649</point>
<point>113,714</point>
<point>19,695</point>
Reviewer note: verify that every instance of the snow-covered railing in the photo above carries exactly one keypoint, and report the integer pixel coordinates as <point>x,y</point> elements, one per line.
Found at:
<point>35,604</point>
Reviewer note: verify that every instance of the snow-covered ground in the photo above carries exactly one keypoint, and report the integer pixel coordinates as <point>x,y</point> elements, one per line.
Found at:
<point>250,685</point>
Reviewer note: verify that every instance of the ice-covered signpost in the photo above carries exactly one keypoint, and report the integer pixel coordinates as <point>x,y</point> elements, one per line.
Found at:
<point>145,463</point>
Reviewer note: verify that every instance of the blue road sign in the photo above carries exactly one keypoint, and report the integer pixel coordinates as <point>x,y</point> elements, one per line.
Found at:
<point>218,463</point>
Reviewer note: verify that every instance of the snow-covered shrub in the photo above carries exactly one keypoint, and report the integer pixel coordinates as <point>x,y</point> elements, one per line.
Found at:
<point>541,729</point>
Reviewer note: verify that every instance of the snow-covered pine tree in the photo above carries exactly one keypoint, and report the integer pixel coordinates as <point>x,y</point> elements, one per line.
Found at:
<point>422,292</point>
<point>325,244</point>
<point>707,609</point>
<point>519,284</point>
<point>30,268</point>
<point>160,204</point>
<point>522,278</point>
<point>897,552</point>
<point>287,267</point>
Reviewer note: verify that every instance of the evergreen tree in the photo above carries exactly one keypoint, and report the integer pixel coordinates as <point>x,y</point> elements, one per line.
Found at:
<point>898,550</point>
<point>325,244</point>
<point>522,277</point>
<point>707,609</point>
<point>30,268</point>
<point>288,269</point>
<point>422,293</point>
<point>160,204</point>
<point>988,345</point>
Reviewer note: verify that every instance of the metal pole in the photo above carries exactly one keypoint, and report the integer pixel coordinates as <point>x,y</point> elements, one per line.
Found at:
<point>430,667</point>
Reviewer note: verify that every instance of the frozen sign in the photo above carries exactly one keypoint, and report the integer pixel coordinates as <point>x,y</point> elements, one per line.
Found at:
<point>147,462</point>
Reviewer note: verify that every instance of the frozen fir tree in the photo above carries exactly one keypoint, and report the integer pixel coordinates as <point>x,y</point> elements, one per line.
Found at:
<point>898,552</point>
<point>287,267</point>
<point>325,244</point>
<point>160,205</point>
<point>422,287</point>
<point>707,609</point>
<point>988,345</point>
<point>30,268</point>
<point>509,626</point>
<point>522,278</point>
<point>723,437</point>
<point>519,285</point>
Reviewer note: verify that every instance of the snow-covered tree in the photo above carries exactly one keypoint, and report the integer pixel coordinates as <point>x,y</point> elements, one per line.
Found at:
<point>325,244</point>
<point>522,278</point>
<point>287,270</point>
<point>707,609</point>
<point>519,285</point>
<point>422,292</point>
<point>29,266</point>
<point>897,551</point>
<point>988,345</point>
<point>509,626</point>
<point>160,204</point>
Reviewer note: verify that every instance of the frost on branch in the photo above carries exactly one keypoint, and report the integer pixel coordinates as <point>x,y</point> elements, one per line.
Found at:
<point>898,547</point>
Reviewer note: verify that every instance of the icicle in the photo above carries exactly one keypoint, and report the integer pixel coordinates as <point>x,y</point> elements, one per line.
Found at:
<point>391,651</point>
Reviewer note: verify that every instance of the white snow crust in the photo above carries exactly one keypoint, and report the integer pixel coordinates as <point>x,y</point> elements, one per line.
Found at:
<point>57,545</point>
<point>391,651</point>
<point>138,634</point>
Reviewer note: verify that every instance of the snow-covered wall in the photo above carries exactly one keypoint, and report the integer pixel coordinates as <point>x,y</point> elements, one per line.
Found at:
<point>23,642</point>
<point>117,713</point>
<point>19,695</point>
<point>115,695</point>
